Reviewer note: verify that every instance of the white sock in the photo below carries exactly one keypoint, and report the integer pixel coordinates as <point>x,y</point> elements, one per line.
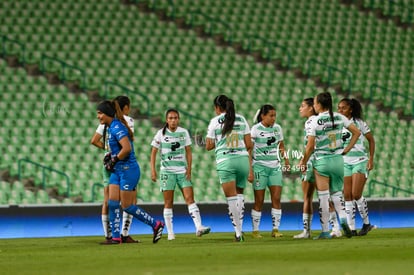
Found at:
<point>276,216</point>
<point>106,226</point>
<point>168,218</point>
<point>256,217</point>
<point>338,202</point>
<point>307,222</point>
<point>350,216</point>
<point>234,214</point>
<point>333,221</point>
<point>324,209</point>
<point>363,209</point>
<point>195,215</point>
<point>240,205</point>
<point>126,223</point>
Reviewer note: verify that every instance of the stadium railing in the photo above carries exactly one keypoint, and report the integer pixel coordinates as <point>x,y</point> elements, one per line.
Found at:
<point>44,170</point>
<point>394,189</point>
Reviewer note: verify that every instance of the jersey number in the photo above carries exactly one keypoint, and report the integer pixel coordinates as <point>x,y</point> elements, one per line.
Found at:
<point>332,139</point>
<point>232,140</point>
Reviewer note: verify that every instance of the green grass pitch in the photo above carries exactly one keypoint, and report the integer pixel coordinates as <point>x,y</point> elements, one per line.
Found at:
<point>382,251</point>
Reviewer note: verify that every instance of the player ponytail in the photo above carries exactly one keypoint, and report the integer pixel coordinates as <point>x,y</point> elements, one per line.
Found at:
<point>120,115</point>
<point>356,109</point>
<point>123,101</point>
<point>325,99</point>
<point>226,105</point>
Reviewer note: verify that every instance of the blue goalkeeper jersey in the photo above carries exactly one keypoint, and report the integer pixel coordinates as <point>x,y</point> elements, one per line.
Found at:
<point>116,132</point>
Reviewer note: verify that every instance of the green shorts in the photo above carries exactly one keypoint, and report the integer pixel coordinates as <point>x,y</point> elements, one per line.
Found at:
<point>235,169</point>
<point>309,176</point>
<point>359,168</point>
<point>331,166</point>
<point>170,181</point>
<point>266,176</point>
<point>105,176</point>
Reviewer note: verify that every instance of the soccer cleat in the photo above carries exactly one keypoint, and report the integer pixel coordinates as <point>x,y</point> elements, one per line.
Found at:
<point>345,228</point>
<point>276,234</point>
<point>365,229</point>
<point>129,239</point>
<point>110,241</point>
<point>323,235</point>
<point>304,235</point>
<point>203,230</point>
<point>336,234</point>
<point>354,233</point>
<point>171,237</point>
<point>256,235</point>
<point>158,228</point>
<point>107,240</point>
<point>239,239</point>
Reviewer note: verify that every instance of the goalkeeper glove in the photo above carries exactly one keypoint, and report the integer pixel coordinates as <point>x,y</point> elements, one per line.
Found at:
<point>109,162</point>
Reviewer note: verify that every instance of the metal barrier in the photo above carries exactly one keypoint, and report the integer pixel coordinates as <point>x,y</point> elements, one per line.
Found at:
<point>44,169</point>
<point>5,40</point>
<point>65,66</point>
<point>331,69</point>
<point>128,92</point>
<point>395,189</point>
<point>394,94</point>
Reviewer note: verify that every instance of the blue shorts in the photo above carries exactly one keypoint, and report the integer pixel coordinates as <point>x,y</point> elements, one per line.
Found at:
<point>126,176</point>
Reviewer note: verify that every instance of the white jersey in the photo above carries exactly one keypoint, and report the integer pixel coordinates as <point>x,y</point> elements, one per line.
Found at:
<point>266,144</point>
<point>172,149</point>
<point>232,145</point>
<point>308,123</point>
<point>328,136</point>
<point>101,127</point>
<point>358,152</point>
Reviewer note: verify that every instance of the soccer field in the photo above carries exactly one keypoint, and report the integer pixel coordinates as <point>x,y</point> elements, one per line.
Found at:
<point>382,251</point>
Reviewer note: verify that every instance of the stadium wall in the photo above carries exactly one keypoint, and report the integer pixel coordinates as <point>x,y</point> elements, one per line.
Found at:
<point>85,220</point>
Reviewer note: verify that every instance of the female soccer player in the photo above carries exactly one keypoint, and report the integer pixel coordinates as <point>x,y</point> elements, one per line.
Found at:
<point>174,144</point>
<point>357,165</point>
<point>307,111</point>
<point>268,149</point>
<point>125,172</point>
<point>100,140</point>
<point>325,141</point>
<point>229,134</point>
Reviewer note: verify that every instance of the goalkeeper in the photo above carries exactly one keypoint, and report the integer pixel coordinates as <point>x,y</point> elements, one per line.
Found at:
<point>100,139</point>
<point>125,172</point>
